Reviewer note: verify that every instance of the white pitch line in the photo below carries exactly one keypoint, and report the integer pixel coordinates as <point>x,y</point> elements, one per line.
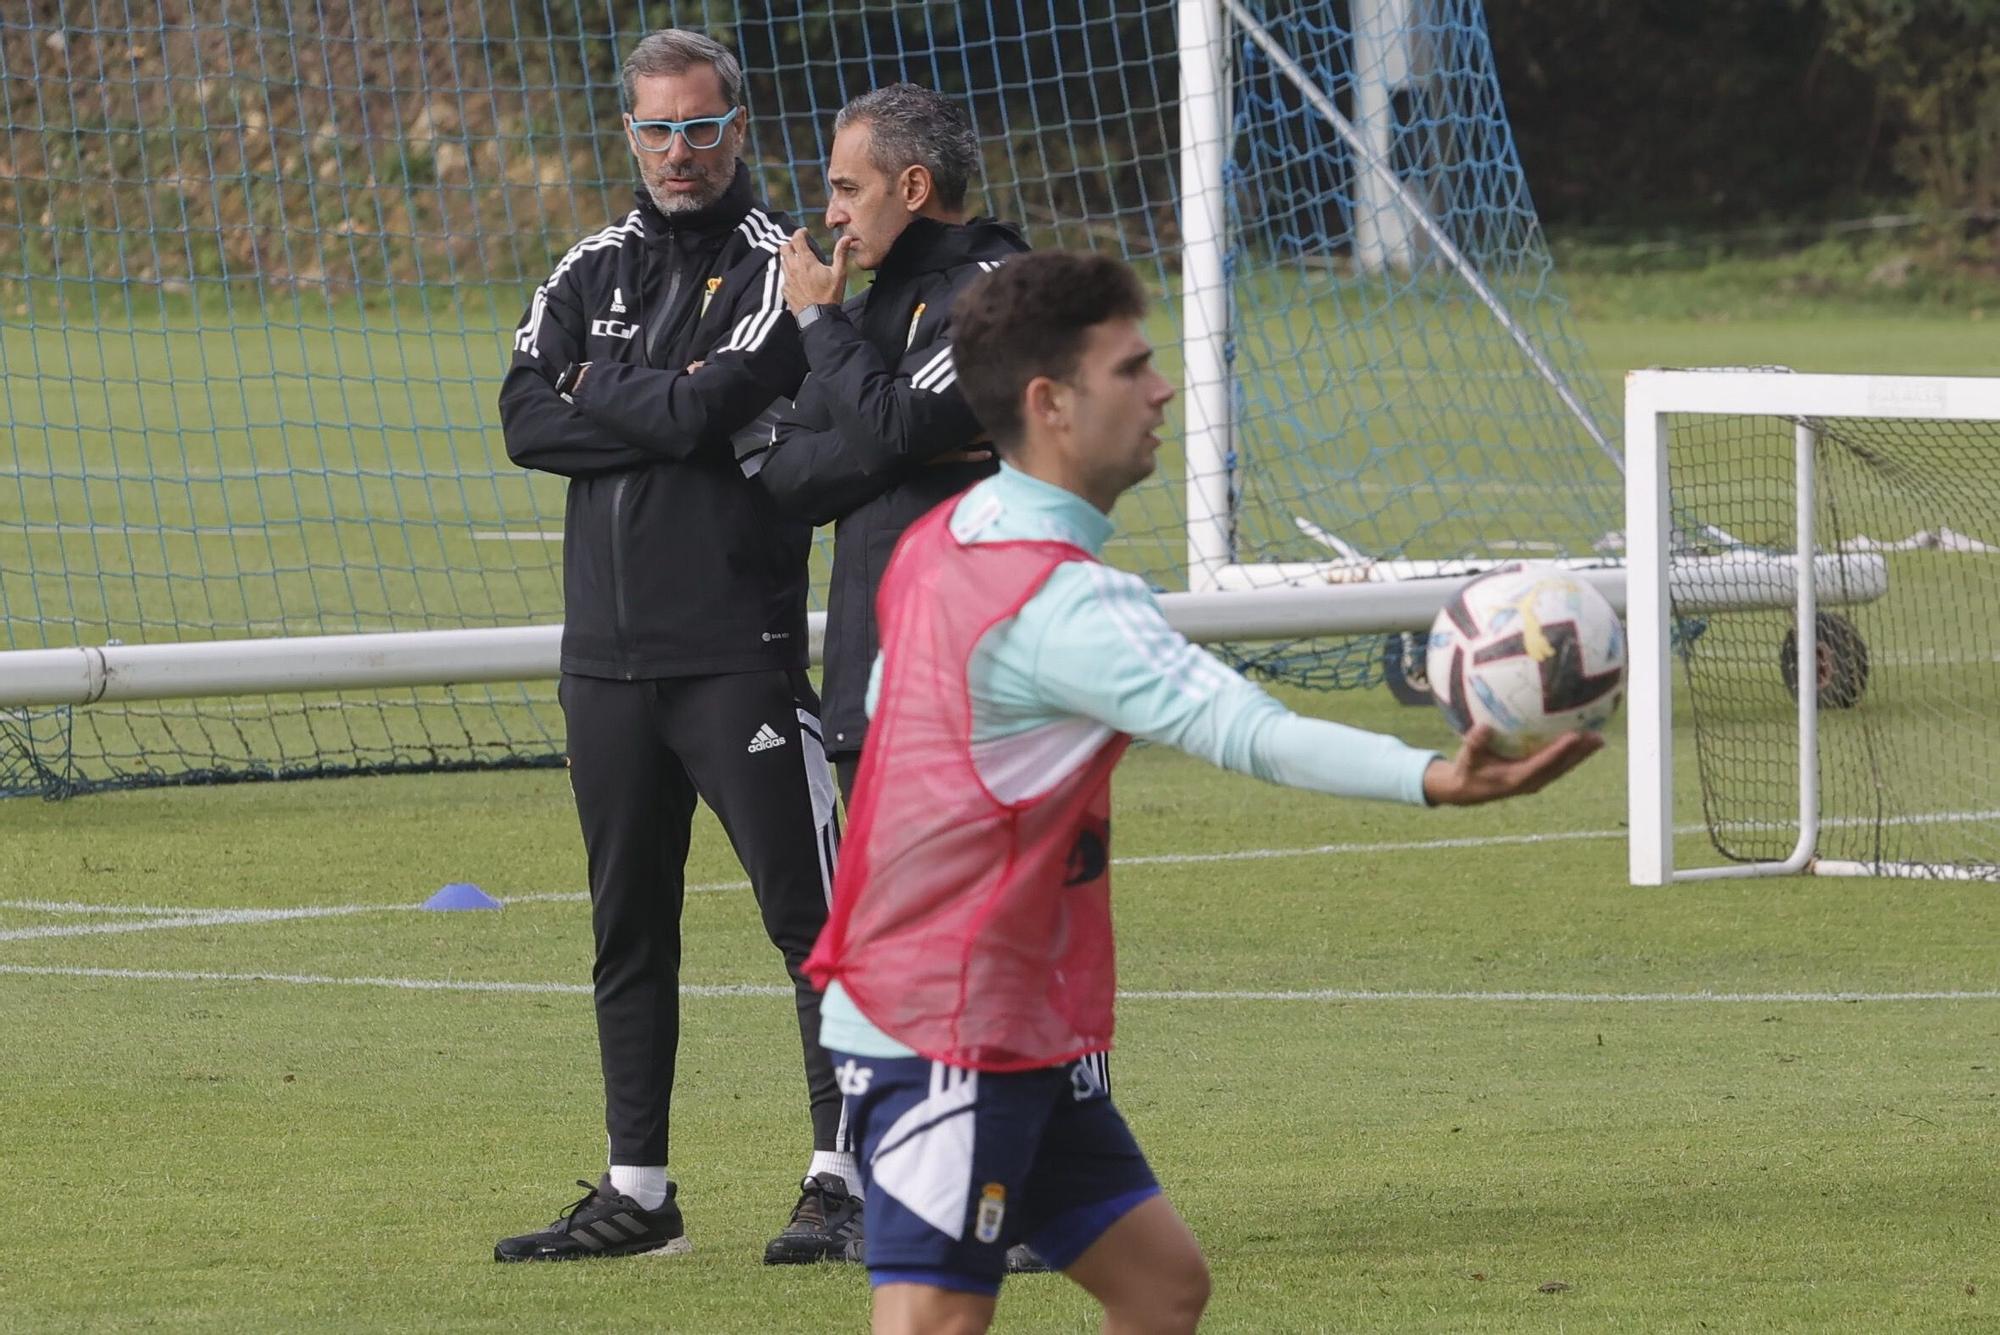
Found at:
<point>65,906</point>
<point>328,980</point>
<point>169,918</point>
<point>579,896</point>
<point>1334,850</point>
<point>1558,837</point>
<point>516,535</point>
<point>1315,996</point>
<point>214,918</point>
<point>165,918</point>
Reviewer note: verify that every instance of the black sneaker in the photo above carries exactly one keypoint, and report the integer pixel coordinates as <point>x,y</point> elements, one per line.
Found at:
<point>1025,1260</point>
<point>826,1225</point>
<point>603,1223</point>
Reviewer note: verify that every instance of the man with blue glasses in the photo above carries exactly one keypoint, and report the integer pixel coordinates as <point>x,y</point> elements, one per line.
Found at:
<point>702,133</point>
<point>652,348</point>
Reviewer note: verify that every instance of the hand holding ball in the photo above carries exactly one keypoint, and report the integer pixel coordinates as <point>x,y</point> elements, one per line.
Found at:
<point>1529,652</point>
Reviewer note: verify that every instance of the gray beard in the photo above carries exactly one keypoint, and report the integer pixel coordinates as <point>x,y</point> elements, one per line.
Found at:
<point>671,204</point>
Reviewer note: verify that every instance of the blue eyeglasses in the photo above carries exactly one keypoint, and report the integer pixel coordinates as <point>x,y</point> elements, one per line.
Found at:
<point>700,133</point>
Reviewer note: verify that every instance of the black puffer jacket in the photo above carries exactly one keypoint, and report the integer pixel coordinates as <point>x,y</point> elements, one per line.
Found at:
<point>674,562</point>
<point>859,448</point>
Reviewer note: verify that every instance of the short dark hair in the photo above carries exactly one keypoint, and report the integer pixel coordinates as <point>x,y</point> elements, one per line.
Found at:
<point>676,51</point>
<point>1030,318</point>
<point>910,125</point>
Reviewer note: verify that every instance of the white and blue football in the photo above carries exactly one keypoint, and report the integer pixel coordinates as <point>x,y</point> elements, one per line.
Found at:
<point>1531,650</point>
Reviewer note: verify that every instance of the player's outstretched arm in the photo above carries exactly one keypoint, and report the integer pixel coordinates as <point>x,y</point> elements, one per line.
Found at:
<point>1478,774</point>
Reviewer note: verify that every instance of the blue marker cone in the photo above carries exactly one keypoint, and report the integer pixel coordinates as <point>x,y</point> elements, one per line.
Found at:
<point>460,895</point>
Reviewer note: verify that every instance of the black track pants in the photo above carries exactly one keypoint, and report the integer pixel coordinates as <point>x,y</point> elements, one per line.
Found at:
<point>640,754</point>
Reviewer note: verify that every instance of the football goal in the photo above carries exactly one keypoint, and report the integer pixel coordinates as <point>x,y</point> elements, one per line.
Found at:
<point>1854,727</point>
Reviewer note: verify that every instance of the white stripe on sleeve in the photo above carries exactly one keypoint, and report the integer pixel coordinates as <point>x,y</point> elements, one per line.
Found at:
<point>754,328</point>
<point>527,337</point>
<point>937,374</point>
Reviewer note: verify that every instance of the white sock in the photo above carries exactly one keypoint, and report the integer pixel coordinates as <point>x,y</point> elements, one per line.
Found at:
<point>842,1166</point>
<point>644,1184</point>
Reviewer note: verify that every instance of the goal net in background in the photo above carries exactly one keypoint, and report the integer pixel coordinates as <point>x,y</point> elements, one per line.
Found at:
<point>1903,755</point>
<point>259,266</point>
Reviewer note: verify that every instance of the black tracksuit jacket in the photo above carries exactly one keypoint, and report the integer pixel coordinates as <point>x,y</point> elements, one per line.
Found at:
<point>674,562</point>
<point>857,447</point>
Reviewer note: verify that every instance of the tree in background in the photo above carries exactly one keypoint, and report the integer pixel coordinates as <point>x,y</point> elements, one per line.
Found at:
<point>1936,65</point>
<point>1705,113</point>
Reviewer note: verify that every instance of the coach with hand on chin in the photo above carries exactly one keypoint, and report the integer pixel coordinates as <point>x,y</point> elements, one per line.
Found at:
<point>879,433</point>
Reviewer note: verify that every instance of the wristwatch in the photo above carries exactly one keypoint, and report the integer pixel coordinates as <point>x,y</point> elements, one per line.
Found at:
<point>566,383</point>
<point>811,315</point>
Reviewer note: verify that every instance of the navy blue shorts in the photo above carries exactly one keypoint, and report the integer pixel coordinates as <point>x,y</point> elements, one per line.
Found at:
<point>961,1165</point>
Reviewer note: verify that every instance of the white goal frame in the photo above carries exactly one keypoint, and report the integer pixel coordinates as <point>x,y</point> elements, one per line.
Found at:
<point>1651,397</point>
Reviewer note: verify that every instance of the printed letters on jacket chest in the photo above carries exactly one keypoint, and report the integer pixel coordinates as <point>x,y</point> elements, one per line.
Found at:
<point>657,306</point>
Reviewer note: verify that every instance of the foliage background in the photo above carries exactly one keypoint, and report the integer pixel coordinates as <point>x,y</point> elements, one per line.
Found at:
<point>440,140</point>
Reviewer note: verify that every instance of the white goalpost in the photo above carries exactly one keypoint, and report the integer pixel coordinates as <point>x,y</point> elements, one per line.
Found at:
<point>385,660</point>
<point>1885,767</point>
<point>1206,394</point>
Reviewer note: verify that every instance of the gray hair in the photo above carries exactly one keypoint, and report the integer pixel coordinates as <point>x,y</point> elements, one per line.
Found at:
<point>677,50</point>
<point>914,126</point>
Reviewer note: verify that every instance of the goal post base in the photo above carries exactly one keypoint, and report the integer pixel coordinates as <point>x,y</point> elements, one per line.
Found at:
<point>1910,871</point>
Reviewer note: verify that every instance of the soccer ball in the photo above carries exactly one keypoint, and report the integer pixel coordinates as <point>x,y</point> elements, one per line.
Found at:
<point>1533,651</point>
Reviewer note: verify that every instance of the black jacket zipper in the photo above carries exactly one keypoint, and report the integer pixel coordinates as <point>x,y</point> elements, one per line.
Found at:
<point>620,612</point>
<point>658,333</point>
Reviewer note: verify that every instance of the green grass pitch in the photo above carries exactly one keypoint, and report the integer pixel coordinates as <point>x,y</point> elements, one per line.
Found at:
<point>1402,1070</point>
<point>1431,1063</point>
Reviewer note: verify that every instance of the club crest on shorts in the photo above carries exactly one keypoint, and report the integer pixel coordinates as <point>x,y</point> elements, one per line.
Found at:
<point>992,1210</point>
